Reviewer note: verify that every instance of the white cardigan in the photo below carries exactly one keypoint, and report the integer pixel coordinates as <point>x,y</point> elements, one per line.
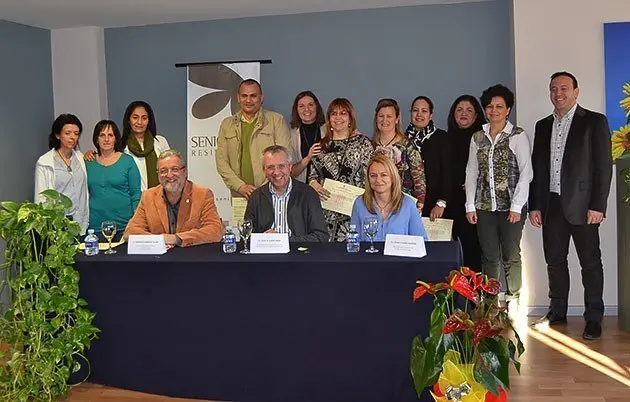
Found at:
<point>45,180</point>
<point>159,145</point>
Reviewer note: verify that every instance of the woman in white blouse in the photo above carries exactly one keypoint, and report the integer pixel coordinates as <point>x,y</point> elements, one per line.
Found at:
<point>62,168</point>
<point>498,174</point>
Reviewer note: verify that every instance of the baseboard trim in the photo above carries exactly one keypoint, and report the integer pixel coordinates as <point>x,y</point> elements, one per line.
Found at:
<point>539,311</point>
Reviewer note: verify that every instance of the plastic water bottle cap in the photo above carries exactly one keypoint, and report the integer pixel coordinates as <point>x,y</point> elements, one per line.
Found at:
<point>90,231</point>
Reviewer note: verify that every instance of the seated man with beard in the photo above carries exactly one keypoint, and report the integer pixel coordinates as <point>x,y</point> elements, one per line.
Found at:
<point>180,210</point>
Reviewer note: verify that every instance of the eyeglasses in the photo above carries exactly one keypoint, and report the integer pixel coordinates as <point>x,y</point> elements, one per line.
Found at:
<point>174,169</point>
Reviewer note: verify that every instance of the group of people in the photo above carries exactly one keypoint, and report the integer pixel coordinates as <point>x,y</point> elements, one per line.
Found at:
<point>482,172</point>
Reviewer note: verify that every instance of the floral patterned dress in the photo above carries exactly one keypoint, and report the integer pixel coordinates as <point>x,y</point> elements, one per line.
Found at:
<point>408,160</point>
<point>345,161</point>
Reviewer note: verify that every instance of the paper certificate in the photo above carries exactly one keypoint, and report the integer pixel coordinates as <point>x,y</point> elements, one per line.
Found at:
<point>342,196</point>
<point>439,230</point>
<point>239,205</point>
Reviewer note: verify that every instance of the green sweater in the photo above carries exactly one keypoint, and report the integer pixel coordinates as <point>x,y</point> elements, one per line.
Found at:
<point>114,192</point>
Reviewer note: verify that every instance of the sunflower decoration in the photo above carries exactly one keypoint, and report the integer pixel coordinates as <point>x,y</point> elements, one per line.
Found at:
<point>625,102</point>
<point>621,137</point>
<point>621,141</point>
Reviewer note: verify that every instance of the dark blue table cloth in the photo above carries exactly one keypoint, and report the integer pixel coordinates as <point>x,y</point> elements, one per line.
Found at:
<point>322,326</point>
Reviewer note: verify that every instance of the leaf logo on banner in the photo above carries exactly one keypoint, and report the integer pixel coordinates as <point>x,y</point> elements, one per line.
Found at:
<point>223,80</point>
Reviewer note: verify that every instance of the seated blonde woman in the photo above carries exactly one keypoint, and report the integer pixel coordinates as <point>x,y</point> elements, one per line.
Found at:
<point>383,198</point>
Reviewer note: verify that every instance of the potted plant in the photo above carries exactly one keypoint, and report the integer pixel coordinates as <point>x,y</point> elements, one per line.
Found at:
<point>468,351</point>
<point>45,328</point>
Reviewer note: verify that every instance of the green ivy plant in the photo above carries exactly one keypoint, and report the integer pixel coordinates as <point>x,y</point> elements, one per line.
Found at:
<point>46,328</point>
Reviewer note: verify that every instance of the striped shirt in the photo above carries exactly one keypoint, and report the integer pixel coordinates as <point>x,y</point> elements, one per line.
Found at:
<point>280,203</point>
<point>559,134</point>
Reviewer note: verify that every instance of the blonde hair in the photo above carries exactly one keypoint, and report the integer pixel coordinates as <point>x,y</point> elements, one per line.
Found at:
<point>383,103</point>
<point>396,194</point>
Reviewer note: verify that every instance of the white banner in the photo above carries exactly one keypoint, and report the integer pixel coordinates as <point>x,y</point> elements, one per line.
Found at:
<point>212,96</point>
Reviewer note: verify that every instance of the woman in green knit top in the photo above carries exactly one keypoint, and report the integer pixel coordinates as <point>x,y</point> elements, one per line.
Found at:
<point>113,179</point>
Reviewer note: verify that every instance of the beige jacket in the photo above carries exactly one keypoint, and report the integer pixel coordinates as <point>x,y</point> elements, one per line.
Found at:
<point>270,129</point>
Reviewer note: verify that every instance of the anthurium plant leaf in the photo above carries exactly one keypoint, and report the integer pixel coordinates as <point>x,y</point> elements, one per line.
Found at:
<point>427,355</point>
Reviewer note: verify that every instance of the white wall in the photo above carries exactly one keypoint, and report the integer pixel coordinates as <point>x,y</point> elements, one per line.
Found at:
<point>79,79</point>
<point>549,36</point>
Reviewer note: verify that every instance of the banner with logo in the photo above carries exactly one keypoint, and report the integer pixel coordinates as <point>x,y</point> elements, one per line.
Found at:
<point>212,96</point>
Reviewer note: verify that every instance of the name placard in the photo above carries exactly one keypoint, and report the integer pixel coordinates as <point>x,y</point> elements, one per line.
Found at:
<point>404,246</point>
<point>146,244</point>
<point>269,243</point>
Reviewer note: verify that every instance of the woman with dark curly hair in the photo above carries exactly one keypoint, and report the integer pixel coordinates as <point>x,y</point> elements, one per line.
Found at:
<point>498,174</point>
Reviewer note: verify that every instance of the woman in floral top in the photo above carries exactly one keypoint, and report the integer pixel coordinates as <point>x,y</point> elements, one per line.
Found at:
<point>344,157</point>
<point>390,140</point>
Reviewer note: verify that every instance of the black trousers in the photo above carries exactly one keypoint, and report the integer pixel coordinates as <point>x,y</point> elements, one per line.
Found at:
<point>556,234</point>
<point>467,235</point>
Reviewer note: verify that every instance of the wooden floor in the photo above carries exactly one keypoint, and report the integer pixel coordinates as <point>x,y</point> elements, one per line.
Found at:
<point>557,366</point>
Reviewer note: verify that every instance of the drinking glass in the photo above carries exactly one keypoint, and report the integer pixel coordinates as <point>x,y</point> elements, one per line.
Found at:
<point>370,227</point>
<point>108,228</point>
<point>245,229</point>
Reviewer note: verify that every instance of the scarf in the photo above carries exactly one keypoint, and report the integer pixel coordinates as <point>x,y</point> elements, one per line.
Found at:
<point>417,135</point>
<point>149,155</point>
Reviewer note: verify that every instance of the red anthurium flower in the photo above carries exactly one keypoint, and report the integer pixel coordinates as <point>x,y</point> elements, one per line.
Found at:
<point>451,275</point>
<point>438,287</point>
<point>490,397</point>
<point>482,330</point>
<point>477,281</point>
<point>458,321</point>
<point>460,284</point>
<point>421,290</point>
<point>468,272</point>
<point>436,389</point>
<point>493,286</point>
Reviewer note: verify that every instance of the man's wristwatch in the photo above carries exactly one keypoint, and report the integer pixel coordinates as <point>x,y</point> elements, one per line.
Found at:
<point>441,204</point>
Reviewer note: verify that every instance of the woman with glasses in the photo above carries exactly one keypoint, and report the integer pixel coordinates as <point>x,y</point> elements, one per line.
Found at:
<point>113,180</point>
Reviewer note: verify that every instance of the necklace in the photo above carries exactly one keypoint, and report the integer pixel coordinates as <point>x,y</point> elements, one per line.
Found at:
<point>66,162</point>
<point>388,143</point>
<point>383,207</point>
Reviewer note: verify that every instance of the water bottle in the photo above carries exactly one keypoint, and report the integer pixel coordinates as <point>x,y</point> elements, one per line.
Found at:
<point>229,240</point>
<point>91,243</point>
<point>352,240</point>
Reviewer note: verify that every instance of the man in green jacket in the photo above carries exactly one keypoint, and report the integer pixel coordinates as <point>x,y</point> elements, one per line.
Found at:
<point>244,136</point>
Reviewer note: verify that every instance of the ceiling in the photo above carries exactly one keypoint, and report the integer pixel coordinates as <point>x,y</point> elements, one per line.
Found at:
<point>54,14</point>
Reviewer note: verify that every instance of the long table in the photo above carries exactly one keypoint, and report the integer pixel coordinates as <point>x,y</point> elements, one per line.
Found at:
<point>321,325</point>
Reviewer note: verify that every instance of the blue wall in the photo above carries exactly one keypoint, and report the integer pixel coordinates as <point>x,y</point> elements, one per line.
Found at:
<point>26,108</point>
<point>440,50</point>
